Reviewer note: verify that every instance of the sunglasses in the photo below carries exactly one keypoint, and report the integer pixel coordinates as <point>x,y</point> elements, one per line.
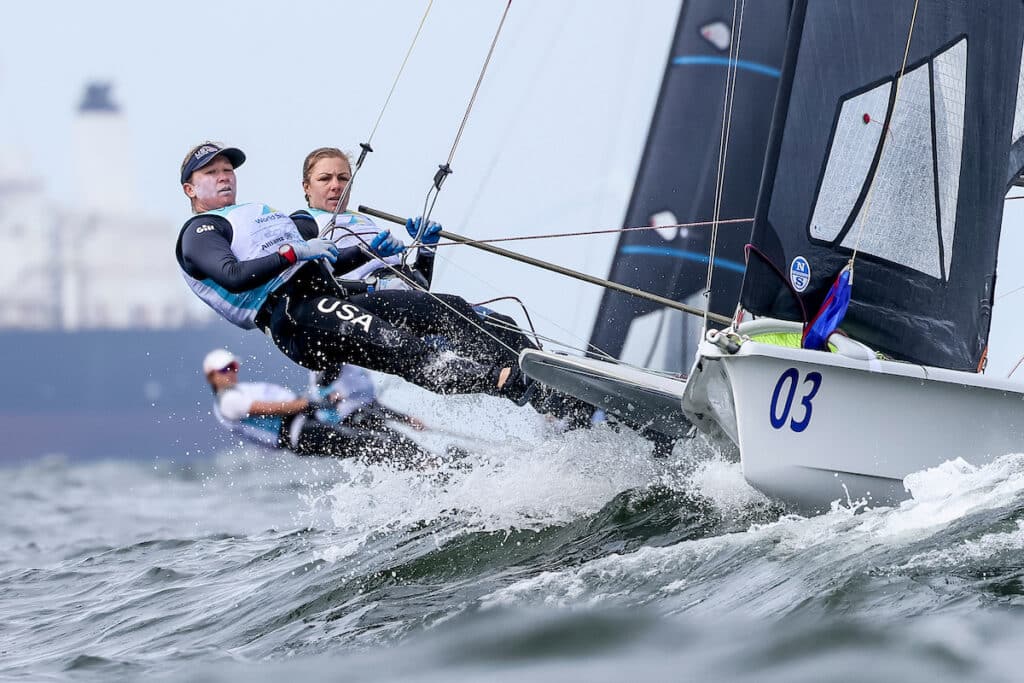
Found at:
<point>230,367</point>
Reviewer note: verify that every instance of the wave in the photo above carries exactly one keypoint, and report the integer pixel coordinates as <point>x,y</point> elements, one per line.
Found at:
<point>252,556</point>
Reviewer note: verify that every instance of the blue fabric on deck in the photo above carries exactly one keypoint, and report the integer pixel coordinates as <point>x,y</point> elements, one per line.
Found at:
<point>832,312</point>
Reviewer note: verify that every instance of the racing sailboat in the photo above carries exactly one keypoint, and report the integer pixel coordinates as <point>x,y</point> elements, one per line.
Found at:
<point>677,183</point>
<point>897,133</point>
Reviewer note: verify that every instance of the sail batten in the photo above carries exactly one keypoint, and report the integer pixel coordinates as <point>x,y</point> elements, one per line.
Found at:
<point>1018,114</point>
<point>950,100</point>
<point>1016,164</point>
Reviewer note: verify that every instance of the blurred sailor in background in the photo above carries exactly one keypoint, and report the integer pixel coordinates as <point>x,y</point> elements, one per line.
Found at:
<point>353,397</point>
<point>274,416</point>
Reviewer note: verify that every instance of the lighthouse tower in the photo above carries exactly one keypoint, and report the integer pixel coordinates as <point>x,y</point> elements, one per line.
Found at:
<point>104,169</point>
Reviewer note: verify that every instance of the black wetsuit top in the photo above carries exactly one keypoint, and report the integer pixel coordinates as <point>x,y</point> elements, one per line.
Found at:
<point>208,255</point>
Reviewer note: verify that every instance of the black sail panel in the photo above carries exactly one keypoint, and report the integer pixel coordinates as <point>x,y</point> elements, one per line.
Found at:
<point>908,173</point>
<point>678,172</point>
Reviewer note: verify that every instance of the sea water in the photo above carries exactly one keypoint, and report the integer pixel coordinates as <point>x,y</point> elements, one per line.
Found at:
<point>537,555</point>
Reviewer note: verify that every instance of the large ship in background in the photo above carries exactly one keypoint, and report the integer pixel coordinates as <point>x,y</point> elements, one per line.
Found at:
<point>101,340</point>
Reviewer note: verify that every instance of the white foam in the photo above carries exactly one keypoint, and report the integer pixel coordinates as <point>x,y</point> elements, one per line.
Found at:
<point>521,474</point>
<point>722,482</point>
<point>790,550</point>
<point>521,485</point>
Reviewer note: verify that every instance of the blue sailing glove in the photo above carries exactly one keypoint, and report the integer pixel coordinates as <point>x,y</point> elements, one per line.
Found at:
<point>385,245</point>
<point>314,249</point>
<point>430,236</point>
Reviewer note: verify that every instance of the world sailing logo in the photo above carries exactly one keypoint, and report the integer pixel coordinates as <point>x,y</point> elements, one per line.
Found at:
<point>800,273</point>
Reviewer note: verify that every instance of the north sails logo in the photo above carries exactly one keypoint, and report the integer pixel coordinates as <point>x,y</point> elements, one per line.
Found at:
<point>800,273</point>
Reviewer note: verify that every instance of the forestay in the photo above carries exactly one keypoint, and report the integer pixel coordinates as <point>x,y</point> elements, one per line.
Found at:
<point>909,174</point>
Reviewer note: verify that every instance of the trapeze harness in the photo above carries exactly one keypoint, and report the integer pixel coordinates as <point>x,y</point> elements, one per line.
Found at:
<point>257,231</point>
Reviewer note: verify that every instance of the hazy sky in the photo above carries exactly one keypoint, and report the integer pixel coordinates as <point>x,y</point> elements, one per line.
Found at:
<point>551,146</point>
<point>552,143</point>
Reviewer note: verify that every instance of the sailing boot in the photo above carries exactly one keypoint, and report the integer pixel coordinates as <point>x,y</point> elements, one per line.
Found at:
<point>517,388</point>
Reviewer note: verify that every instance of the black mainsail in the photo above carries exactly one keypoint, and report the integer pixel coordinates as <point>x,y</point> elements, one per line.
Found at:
<point>678,172</point>
<point>910,173</point>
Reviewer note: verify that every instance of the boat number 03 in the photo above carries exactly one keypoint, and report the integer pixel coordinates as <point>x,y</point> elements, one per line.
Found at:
<point>787,389</point>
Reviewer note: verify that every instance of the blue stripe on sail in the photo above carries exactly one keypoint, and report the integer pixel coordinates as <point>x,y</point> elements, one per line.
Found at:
<point>685,255</point>
<point>724,61</point>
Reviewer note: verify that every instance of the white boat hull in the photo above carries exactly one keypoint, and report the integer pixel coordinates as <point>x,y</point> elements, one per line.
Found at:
<point>813,427</point>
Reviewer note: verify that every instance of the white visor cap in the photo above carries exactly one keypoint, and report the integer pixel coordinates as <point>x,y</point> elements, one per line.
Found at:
<point>218,359</point>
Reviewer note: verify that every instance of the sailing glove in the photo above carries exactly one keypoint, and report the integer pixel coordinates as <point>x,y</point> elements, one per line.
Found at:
<point>314,249</point>
<point>386,245</point>
<point>430,235</point>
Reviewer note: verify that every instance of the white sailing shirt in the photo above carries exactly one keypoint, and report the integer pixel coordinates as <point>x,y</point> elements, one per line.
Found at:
<point>257,230</point>
<point>232,407</point>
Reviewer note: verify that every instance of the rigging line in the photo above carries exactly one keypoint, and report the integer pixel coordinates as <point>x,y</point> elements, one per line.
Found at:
<point>366,146</point>
<point>583,233</point>
<point>533,81</point>
<point>596,354</point>
<point>541,337</point>
<point>884,141</point>
<point>1012,291</point>
<point>415,285</point>
<point>735,37</point>
<point>552,340</point>
<point>445,169</point>
<point>593,349</point>
<point>568,272</point>
<point>405,61</point>
<point>536,335</point>
<point>551,322</point>
<point>526,312</point>
<point>501,325</point>
<point>479,81</point>
<point>662,318</point>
